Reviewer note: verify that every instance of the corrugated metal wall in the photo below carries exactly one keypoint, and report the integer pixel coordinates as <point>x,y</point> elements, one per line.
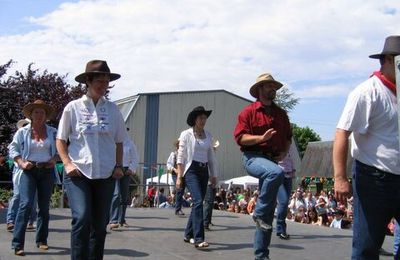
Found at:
<point>174,108</point>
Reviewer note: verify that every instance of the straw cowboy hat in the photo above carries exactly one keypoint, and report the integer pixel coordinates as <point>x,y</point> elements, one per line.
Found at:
<point>96,67</point>
<point>391,47</point>
<point>195,112</point>
<point>263,78</point>
<point>27,110</point>
<point>23,122</point>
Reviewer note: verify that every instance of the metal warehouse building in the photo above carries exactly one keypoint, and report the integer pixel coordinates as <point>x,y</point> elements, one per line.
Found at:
<point>156,120</point>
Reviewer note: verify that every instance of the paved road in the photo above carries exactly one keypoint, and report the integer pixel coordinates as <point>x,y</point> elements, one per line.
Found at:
<point>158,233</point>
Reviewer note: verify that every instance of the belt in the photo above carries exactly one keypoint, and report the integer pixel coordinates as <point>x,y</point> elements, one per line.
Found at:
<point>373,171</point>
<point>39,165</point>
<point>200,164</point>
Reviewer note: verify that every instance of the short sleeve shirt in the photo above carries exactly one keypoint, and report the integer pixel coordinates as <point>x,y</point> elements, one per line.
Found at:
<point>370,114</point>
<point>93,132</point>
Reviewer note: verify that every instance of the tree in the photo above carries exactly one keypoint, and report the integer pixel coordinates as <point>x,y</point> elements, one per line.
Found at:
<point>302,136</point>
<point>285,99</point>
<point>22,88</point>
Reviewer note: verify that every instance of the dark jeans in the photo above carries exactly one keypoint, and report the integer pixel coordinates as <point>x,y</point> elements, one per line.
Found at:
<point>40,180</point>
<point>90,202</point>
<point>120,200</point>
<point>178,195</point>
<point>196,179</point>
<point>283,201</point>
<point>209,204</point>
<point>376,201</point>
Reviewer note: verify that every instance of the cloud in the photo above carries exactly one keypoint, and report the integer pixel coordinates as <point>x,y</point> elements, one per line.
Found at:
<point>184,45</point>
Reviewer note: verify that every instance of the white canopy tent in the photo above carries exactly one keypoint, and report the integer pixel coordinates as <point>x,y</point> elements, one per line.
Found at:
<point>246,181</point>
<point>165,179</point>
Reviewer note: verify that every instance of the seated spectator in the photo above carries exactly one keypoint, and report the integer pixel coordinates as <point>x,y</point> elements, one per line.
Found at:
<point>338,221</point>
<point>300,215</point>
<point>310,200</point>
<point>321,206</point>
<point>168,204</point>
<point>135,201</point>
<point>297,202</point>
<point>160,198</point>
<point>252,203</point>
<point>312,216</point>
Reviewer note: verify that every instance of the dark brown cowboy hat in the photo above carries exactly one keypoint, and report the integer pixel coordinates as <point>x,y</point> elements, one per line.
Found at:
<point>27,110</point>
<point>195,112</point>
<point>263,78</point>
<point>391,47</point>
<point>96,67</point>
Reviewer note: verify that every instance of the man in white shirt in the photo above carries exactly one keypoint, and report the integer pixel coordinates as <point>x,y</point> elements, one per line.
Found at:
<point>370,115</point>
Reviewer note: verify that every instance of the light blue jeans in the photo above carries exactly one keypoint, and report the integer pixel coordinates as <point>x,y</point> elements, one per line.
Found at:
<point>396,238</point>
<point>120,200</point>
<point>270,177</point>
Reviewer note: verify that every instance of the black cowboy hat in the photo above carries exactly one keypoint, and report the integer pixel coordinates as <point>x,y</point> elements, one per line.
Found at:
<point>195,112</point>
<point>391,47</point>
<point>96,67</point>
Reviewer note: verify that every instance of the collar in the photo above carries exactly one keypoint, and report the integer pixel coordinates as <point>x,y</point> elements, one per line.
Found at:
<point>259,105</point>
<point>88,99</point>
<point>390,85</point>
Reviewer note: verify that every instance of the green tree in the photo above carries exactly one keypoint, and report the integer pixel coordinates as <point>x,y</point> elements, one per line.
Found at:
<point>285,99</point>
<point>302,136</point>
<point>19,89</point>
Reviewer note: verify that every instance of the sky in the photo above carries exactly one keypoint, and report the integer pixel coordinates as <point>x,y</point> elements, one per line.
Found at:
<point>317,49</point>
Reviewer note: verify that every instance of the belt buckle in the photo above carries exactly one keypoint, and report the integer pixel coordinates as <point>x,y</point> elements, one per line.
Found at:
<point>202,165</point>
<point>40,165</point>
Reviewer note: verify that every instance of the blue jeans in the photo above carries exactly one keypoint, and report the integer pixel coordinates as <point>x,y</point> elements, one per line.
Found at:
<point>376,196</point>
<point>179,195</point>
<point>40,180</point>
<point>90,202</point>
<point>270,177</point>
<point>396,238</point>
<point>196,179</point>
<point>283,197</point>
<point>209,204</point>
<point>13,205</point>
<point>120,200</point>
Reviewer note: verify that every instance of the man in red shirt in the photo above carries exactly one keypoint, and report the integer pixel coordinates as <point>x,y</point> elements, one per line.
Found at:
<point>264,135</point>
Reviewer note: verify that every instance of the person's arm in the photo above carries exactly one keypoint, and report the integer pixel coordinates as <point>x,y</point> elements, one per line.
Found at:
<point>340,148</point>
<point>69,167</point>
<point>118,172</point>
<point>248,139</point>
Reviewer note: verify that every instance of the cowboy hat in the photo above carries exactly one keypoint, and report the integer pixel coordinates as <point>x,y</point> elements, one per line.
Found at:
<point>27,110</point>
<point>391,47</point>
<point>96,67</point>
<point>23,122</point>
<point>195,112</point>
<point>263,78</point>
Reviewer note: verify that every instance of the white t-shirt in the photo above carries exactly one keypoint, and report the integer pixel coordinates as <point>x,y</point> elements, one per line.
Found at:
<point>93,132</point>
<point>370,114</point>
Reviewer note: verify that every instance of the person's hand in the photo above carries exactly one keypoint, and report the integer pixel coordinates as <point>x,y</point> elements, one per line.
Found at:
<point>213,181</point>
<point>118,173</point>
<point>26,165</point>
<point>179,182</point>
<point>268,134</point>
<point>342,189</point>
<point>71,170</point>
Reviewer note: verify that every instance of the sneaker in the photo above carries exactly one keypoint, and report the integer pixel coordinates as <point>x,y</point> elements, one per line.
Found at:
<point>19,252</point>
<point>124,225</point>
<point>42,246</point>
<point>188,240</point>
<point>179,213</point>
<point>114,226</point>
<point>10,227</point>
<point>261,224</point>
<point>283,236</point>
<point>30,227</point>
<point>207,228</point>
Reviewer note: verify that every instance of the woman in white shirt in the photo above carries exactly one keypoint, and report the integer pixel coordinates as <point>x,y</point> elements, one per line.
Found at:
<point>196,163</point>
<point>92,161</point>
<point>33,148</point>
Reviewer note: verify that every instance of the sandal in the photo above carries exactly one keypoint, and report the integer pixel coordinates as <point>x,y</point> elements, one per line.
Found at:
<point>19,252</point>
<point>203,244</point>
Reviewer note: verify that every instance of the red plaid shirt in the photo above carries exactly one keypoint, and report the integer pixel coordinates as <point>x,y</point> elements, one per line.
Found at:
<point>254,120</point>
